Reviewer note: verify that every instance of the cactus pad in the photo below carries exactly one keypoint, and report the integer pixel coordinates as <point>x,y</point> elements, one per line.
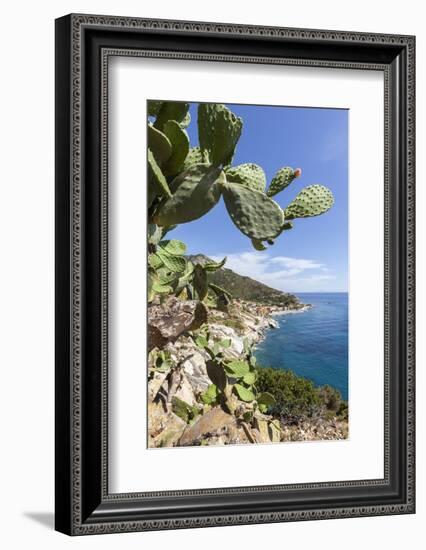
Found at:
<point>195,156</point>
<point>255,214</point>
<point>198,190</point>
<point>214,266</point>
<point>176,264</point>
<point>165,277</point>
<point>159,144</point>
<point>244,393</point>
<point>250,175</point>
<point>282,179</point>
<point>219,131</point>
<point>311,201</point>
<point>156,179</point>
<point>200,281</point>
<point>161,289</point>
<point>153,107</point>
<point>171,110</point>
<point>218,290</point>
<point>155,261</point>
<point>179,147</point>
<point>173,247</point>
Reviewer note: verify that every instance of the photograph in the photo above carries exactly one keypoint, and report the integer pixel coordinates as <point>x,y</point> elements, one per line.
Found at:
<point>247,260</point>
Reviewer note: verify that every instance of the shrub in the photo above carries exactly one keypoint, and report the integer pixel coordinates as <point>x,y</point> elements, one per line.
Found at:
<point>330,397</point>
<point>294,396</point>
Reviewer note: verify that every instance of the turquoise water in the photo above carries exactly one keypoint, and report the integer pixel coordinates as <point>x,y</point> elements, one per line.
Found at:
<point>314,343</point>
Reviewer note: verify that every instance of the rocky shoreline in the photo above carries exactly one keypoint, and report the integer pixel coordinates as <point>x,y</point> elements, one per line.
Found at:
<point>176,414</point>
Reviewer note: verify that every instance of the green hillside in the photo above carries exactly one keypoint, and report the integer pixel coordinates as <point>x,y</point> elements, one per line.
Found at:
<point>245,288</point>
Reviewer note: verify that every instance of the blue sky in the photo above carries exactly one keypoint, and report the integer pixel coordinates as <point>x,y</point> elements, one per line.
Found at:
<point>313,256</point>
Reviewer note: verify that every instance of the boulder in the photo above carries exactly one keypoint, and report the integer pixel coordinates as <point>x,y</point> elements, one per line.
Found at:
<point>192,361</point>
<point>166,322</point>
<point>164,428</point>
<point>214,422</point>
<point>261,426</point>
<point>222,332</point>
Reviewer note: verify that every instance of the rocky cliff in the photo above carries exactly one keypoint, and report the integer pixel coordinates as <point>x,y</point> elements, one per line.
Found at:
<point>181,371</point>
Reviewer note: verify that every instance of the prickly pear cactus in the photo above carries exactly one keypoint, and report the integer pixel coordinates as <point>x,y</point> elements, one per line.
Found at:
<point>153,107</point>
<point>255,214</point>
<point>282,179</point>
<point>311,201</point>
<point>250,175</point>
<point>171,110</point>
<point>219,131</point>
<point>159,144</point>
<point>185,183</point>
<point>175,264</point>
<point>156,180</point>
<point>195,156</point>
<point>174,247</point>
<point>179,141</point>
<point>196,192</point>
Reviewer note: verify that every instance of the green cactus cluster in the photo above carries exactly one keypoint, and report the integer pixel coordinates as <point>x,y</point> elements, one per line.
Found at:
<point>185,183</point>
<point>232,381</point>
<point>169,272</point>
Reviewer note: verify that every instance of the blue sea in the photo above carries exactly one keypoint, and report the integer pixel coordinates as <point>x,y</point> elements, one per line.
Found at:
<point>314,343</point>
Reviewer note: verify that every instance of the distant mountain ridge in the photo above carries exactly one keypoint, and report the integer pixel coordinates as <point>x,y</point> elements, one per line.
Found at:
<point>246,288</point>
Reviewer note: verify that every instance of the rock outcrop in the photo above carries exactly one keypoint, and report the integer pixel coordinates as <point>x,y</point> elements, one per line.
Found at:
<point>168,321</point>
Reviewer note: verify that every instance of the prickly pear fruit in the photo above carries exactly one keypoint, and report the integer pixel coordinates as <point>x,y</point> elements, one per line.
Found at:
<point>198,189</point>
<point>156,178</point>
<point>179,147</point>
<point>219,131</point>
<point>250,175</point>
<point>171,110</point>
<point>282,179</point>
<point>311,201</point>
<point>255,214</point>
<point>159,144</point>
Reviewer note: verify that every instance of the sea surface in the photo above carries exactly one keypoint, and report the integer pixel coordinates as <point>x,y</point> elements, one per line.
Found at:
<point>313,343</point>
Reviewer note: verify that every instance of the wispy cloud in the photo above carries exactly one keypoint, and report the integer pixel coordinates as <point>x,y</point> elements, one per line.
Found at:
<point>281,272</point>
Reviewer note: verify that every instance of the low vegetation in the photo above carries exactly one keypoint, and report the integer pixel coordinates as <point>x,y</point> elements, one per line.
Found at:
<point>296,398</point>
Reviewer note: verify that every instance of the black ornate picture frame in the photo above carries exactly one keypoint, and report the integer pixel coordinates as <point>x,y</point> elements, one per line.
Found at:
<point>84,43</point>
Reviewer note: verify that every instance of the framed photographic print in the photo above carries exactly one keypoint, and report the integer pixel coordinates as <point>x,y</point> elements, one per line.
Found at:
<point>234,274</point>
